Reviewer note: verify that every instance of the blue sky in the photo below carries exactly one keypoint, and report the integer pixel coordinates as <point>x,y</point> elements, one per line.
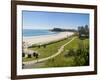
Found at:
<point>49,20</point>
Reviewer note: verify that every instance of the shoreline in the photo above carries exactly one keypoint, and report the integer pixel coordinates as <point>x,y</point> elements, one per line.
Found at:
<point>29,41</point>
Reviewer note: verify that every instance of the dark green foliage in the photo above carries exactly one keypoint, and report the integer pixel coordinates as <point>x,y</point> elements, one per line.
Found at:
<point>32,46</point>
<point>36,56</point>
<point>44,45</point>
<point>62,30</point>
<point>29,56</point>
<point>71,52</point>
<point>23,54</point>
<point>82,55</point>
<point>39,46</point>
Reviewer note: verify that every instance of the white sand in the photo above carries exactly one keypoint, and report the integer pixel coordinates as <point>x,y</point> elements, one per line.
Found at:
<point>28,41</point>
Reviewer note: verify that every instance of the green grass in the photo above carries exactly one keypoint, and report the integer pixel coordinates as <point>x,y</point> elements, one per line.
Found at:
<point>61,60</point>
<point>74,44</point>
<point>49,50</point>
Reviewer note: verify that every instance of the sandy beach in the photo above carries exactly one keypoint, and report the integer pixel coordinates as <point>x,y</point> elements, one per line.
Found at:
<point>28,41</point>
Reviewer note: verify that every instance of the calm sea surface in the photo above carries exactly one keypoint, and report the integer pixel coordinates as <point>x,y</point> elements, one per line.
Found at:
<point>35,32</point>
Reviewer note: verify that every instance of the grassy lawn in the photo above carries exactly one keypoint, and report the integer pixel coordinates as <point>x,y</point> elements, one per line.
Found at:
<point>49,50</point>
<point>62,60</point>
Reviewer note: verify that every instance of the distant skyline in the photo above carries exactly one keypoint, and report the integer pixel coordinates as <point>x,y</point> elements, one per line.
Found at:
<point>50,20</point>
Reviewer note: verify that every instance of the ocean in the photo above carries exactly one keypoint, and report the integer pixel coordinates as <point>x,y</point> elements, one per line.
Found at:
<point>36,32</point>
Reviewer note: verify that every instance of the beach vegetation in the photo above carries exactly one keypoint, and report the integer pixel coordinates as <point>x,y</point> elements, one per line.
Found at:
<point>47,50</point>
<point>75,53</point>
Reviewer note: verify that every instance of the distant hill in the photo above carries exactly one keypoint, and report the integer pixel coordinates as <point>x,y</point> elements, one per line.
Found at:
<point>62,30</point>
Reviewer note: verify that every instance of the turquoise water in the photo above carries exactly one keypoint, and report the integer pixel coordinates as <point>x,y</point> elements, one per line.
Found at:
<point>36,32</point>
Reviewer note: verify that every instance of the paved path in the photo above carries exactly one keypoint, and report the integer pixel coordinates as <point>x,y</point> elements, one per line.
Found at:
<point>52,56</point>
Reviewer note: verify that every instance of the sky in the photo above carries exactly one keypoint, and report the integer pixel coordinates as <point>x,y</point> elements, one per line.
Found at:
<point>50,20</point>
